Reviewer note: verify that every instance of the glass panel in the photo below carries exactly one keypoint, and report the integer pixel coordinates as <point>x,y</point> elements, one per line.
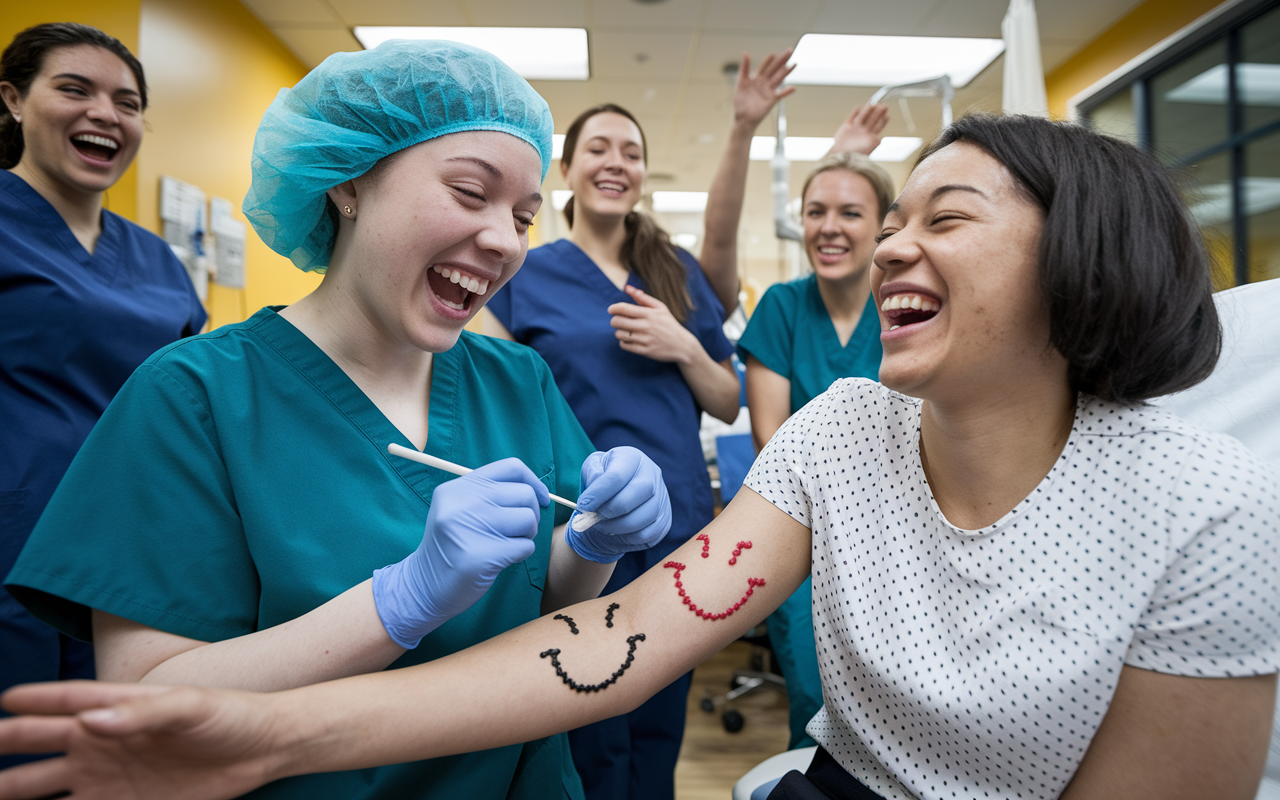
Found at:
<point>1206,186</point>
<point>1258,73</point>
<point>1189,104</point>
<point>1262,206</point>
<point>1114,117</point>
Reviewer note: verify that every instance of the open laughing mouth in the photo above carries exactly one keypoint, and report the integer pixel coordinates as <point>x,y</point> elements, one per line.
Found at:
<point>454,288</point>
<point>909,308</point>
<point>94,147</point>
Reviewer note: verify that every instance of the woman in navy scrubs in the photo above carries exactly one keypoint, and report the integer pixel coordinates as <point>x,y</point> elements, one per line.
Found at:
<point>631,330</point>
<point>85,295</point>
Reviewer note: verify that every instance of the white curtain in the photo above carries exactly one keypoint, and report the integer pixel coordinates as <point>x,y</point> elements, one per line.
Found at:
<point>1023,71</point>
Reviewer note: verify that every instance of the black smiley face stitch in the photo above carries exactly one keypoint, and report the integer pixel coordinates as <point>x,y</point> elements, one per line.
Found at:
<point>554,654</point>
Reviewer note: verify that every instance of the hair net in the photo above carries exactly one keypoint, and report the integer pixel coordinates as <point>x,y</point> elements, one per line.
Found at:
<point>357,108</point>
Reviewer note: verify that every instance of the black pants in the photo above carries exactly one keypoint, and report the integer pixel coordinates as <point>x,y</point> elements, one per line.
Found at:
<point>824,780</point>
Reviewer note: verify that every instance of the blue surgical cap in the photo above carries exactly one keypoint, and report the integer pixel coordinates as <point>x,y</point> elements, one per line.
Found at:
<point>357,108</point>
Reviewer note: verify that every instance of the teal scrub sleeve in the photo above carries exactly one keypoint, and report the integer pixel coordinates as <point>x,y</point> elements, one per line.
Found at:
<point>144,524</point>
<point>771,331</point>
<point>569,440</point>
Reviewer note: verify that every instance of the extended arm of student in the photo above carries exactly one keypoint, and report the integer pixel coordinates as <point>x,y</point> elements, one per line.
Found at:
<point>768,400</point>
<point>754,96</point>
<point>647,328</point>
<point>1177,738</point>
<point>594,660</point>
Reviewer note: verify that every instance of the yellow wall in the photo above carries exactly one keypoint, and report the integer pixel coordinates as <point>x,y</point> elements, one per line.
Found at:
<point>213,69</point>
<point>1143,27</point>
<point>118,18</point>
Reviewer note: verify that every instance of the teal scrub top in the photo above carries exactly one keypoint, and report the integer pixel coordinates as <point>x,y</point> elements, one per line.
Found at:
<point>791,333</point>
<point>240,479</point>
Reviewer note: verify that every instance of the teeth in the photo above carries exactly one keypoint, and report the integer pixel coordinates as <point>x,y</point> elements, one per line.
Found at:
<point>912,301</point>
<point>98,140</point>
<point>833,251</point>
<point>615,187</point>
<point>451,304</point>
<point>894,327</point>
<point>475,285</point>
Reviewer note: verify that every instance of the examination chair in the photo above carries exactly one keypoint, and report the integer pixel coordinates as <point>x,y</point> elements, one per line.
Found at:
<point>1241,398</point>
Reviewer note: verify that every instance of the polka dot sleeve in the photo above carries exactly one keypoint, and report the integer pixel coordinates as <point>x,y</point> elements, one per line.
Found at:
<point>1216,610</point>
<point>781,473</point>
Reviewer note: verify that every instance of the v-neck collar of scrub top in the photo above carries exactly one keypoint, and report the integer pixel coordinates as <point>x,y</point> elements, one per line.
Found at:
<point>867,329</point>
<point>105,258</point>
<point>597,278</point>
<point>325,374</point>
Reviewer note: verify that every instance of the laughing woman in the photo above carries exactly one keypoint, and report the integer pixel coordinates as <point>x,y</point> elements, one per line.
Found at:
<point>85,295</point>
<point>1027,583</point>
<point>222,522</point>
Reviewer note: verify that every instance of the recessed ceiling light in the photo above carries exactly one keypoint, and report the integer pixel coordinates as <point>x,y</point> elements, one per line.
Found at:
<point>679,202</point>
<point>813,148</point>
<point>846,60</point>
<point>549,54</point>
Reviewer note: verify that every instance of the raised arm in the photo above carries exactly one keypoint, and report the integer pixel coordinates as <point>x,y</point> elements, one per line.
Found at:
<point>592,661</point>
<point>754,96</point>
<point>860,131</point>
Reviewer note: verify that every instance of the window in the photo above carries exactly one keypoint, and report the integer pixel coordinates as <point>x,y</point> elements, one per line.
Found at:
<point>1208,106</point>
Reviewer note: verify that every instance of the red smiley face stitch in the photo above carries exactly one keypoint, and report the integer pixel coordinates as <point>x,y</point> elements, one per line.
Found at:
<point>706,553</point>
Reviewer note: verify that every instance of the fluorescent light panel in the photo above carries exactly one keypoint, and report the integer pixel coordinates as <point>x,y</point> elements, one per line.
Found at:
<point>680,202</point>
<point>560,198</point>
<point>557,145</point>
<point>813,148</point>
<point>830,59</point>
<point>549,54</point>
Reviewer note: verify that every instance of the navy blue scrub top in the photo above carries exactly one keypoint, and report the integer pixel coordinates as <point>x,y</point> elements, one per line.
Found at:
<point>557,305</point>
<point>73,327</point>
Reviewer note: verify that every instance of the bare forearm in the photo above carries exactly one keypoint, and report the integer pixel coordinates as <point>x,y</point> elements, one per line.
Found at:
<point>634,641</point>
<point>714,385</point>
<point>570,577</point>
<point>724,211</point>
<point>769,400</point>
<point>340,638</point>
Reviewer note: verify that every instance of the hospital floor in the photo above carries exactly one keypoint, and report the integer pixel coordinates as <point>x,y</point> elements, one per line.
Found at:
<point>712,759</point>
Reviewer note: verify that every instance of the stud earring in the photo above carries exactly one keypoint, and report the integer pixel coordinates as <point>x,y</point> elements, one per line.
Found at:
<point>346,210</point>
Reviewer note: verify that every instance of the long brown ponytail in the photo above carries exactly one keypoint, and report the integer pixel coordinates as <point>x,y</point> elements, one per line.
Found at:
<point>647,249</point>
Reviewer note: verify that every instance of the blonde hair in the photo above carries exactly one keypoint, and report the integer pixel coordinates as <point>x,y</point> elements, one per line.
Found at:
<point>858,164</point>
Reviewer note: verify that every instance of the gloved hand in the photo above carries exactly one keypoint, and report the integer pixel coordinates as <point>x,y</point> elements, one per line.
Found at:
<point>478,525</point>
<point>624,489</point>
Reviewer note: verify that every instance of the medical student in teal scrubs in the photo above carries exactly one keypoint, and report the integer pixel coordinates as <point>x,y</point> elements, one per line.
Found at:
<point>231,519</point>
<point>803,336</point>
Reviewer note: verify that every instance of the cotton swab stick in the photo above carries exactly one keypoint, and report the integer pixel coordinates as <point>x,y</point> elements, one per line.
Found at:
<point>585,518</point>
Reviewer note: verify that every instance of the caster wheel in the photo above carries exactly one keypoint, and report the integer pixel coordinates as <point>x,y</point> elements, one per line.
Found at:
<point>733,721</point>
<point>708,705</point>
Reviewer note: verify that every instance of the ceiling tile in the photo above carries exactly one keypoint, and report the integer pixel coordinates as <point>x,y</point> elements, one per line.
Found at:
<point>717,49</point>
<point>662,55</point>
<point>791,16</point>
<point>400,12</point>
<point>975,18</point>
<point>1081,20</point>
<point>313,45</point>
<point>518,13</point>
<point>271,11</point>
<point>889,19</point>
<point>633,14</point>
<point>640,97</point>
<point>566,98</point>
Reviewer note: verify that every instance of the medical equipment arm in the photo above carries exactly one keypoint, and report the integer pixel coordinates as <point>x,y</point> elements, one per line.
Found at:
<point>754,96</point>
<point>530,682</point>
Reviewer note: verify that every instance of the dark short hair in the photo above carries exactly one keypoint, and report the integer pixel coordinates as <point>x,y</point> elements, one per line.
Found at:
<point>1123,267</point>
<point>23,59</point>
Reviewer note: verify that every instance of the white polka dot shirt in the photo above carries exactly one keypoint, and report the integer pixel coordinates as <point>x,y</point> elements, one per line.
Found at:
<point>979,663</point>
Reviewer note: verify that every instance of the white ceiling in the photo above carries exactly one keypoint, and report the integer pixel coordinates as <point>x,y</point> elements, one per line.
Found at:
<point>664,61</point>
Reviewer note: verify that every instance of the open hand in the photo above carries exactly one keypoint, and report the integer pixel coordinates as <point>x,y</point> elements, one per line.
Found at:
<point>133,741</point>
<point>754,96</point>
<point>647,328</point>
<point>860,131</point>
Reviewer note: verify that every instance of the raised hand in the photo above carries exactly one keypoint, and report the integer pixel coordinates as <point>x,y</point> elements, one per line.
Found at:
<point>860,131</point>
<point>754,96</point>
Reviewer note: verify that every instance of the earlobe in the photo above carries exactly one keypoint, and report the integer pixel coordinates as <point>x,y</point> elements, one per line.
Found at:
<point>344,197</point>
